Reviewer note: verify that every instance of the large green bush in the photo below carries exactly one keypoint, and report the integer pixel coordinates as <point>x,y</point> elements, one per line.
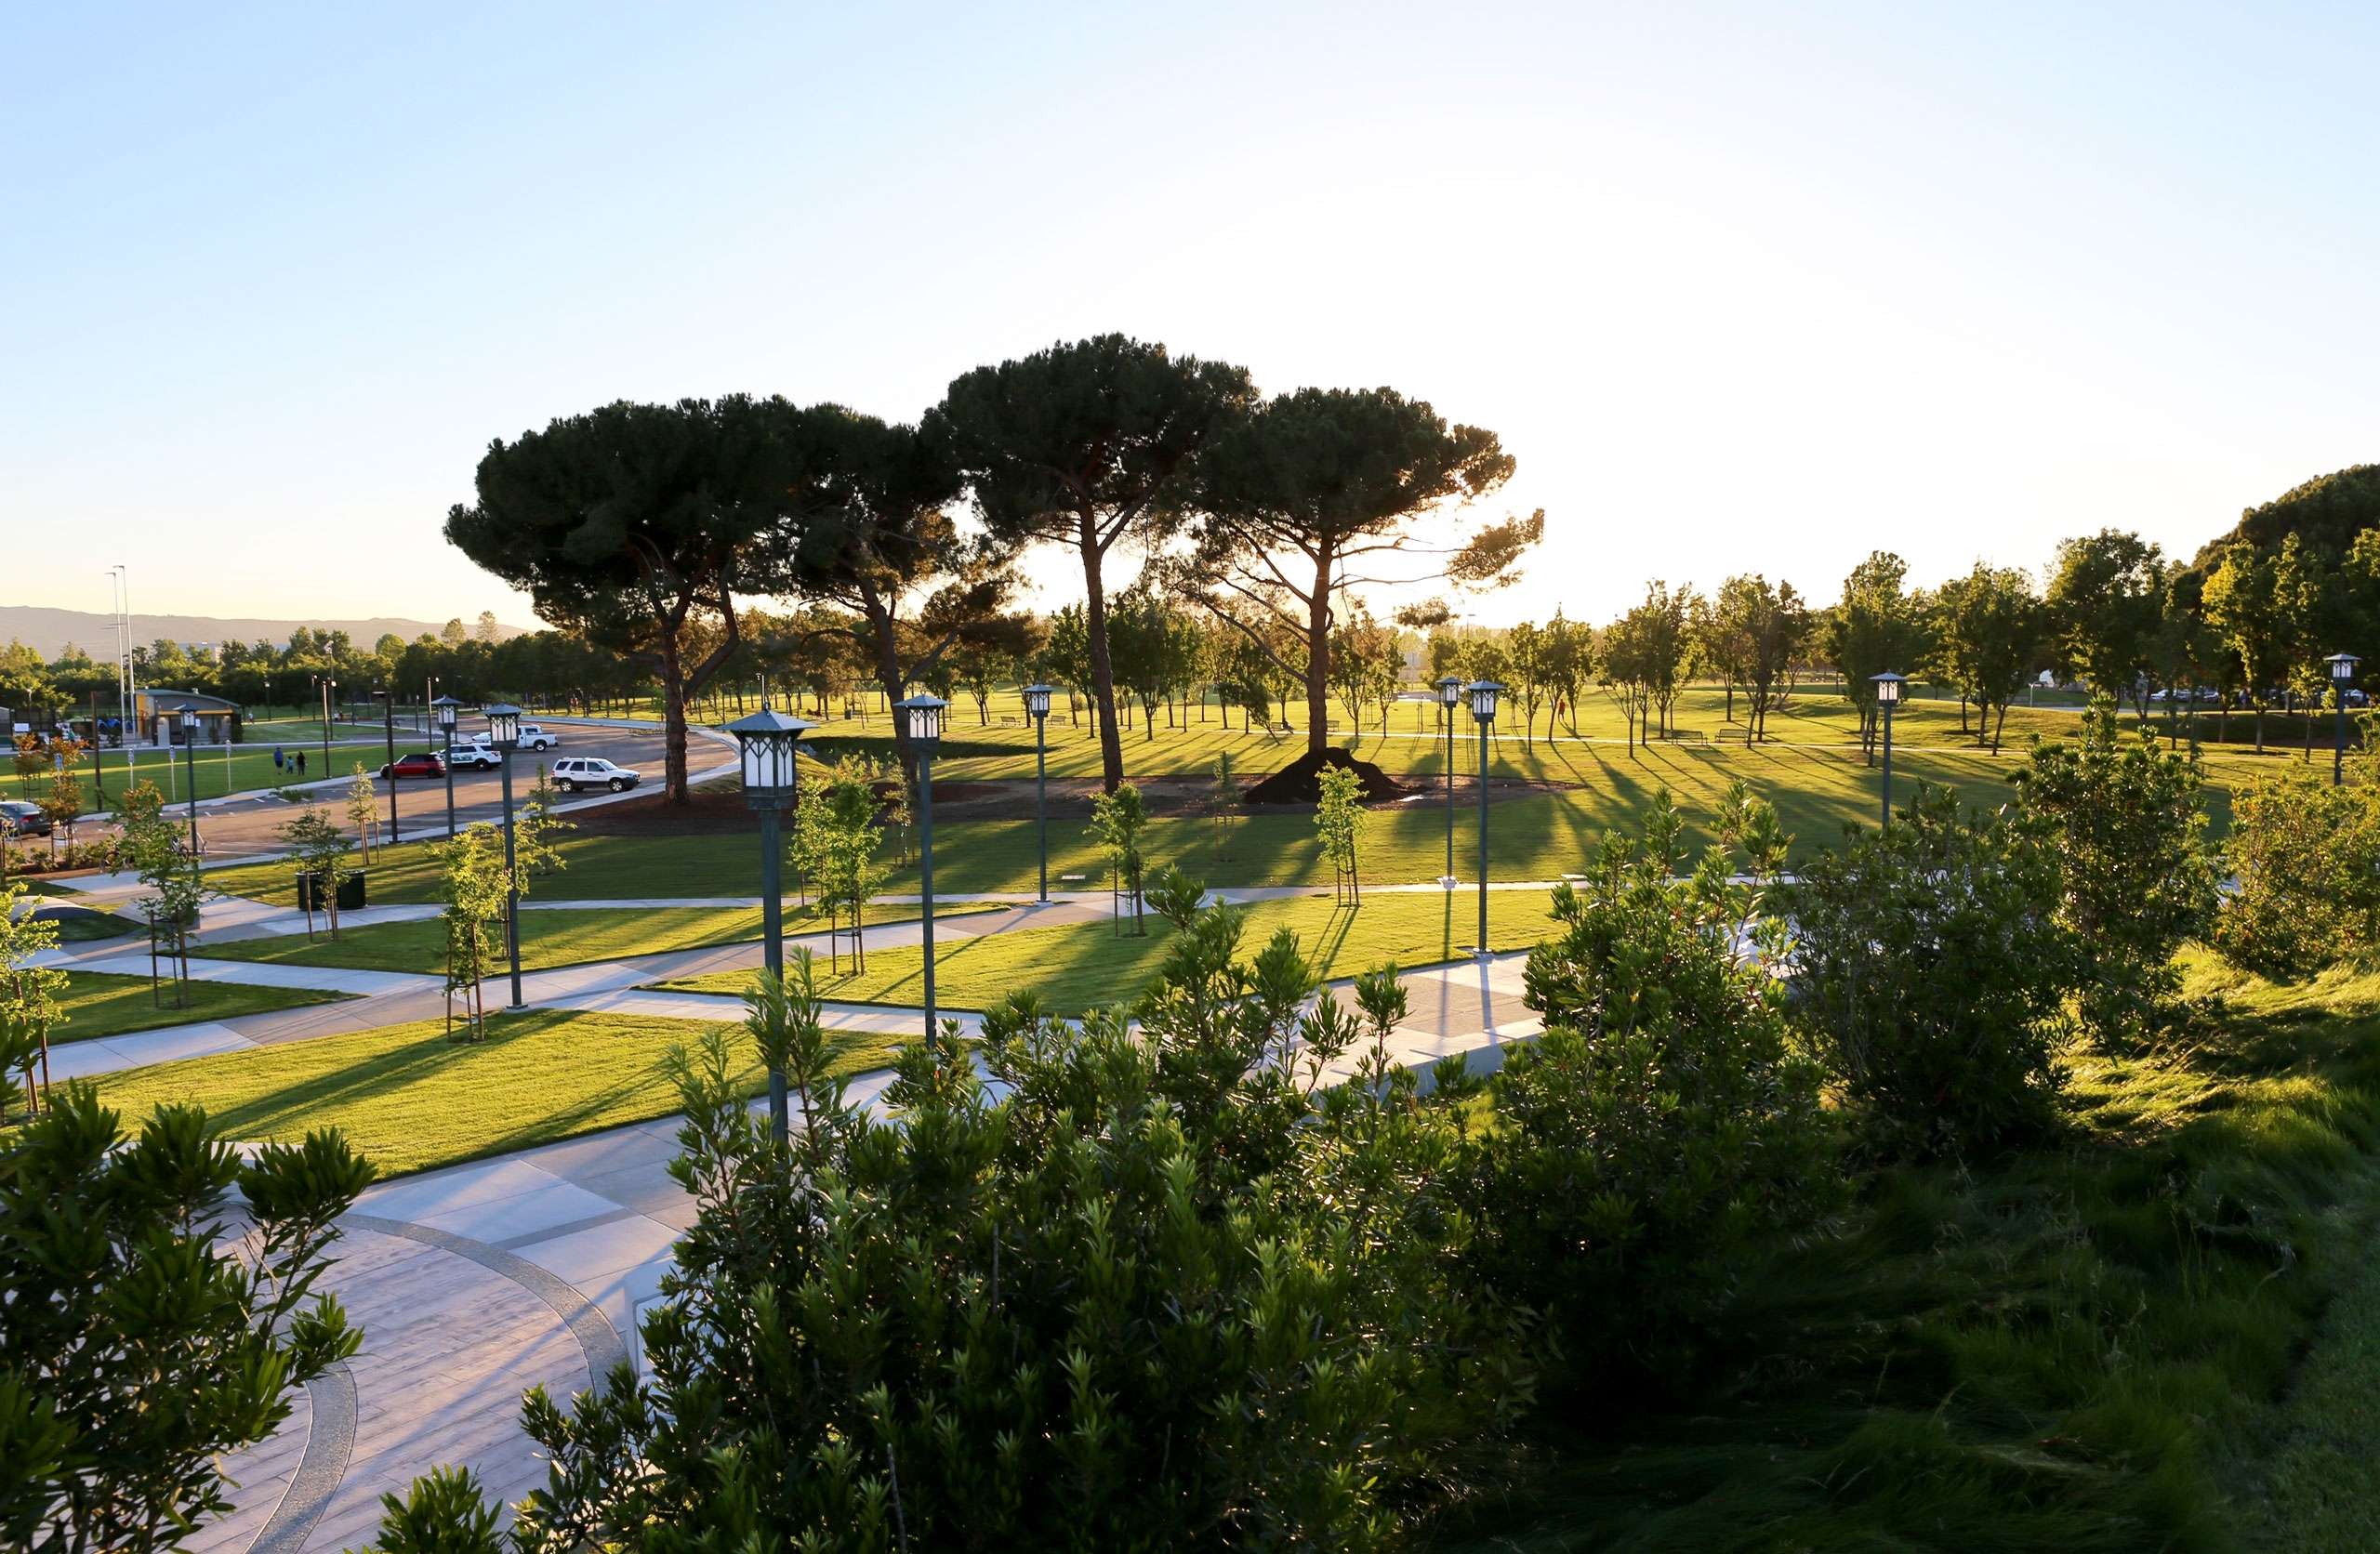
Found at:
<point>1149,1287</point>
<point>2138,878</point>
<point>1935,970</point>
<point>1668,1113</point>
<point>2306,857</point>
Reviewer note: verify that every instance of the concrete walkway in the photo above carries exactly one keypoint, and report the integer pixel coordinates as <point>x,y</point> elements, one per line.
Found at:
<point>474,1283</point>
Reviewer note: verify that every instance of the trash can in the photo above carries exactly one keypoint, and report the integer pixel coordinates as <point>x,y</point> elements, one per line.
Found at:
<point>309,892</point>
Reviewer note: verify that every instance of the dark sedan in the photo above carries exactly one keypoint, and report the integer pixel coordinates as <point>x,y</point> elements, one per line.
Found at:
<point>20,819</point>
<point>420,764</point>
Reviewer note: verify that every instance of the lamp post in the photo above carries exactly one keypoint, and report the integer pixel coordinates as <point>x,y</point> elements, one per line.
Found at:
<point>445,707</point>
<point>504,733</point>
<point>1889,687</point>
<point>1036,706</point>
<point>388,700</point>
<point>921,720</point>
<point>190,770</point>
<point>1483,694</point>
<point>1450,698</point>
<point>328,686</point>
<point>769,743</point>
<point>2343,667</point>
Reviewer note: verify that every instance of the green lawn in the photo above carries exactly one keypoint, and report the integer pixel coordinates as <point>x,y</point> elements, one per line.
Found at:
<point>410,1098</point>
<point>1083,965</point>
<point>1536,835</point>
<point>2083,1346</point>
<point>100,1004</point>
<point>548,937</point>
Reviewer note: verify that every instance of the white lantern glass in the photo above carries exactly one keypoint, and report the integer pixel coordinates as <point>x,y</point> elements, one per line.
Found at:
<point>2343,667</point>
<point>1450,691</point>
<point>924,715</point>
<point>503,725</point>
<point>1483,699</point>
<point>1037,700</point>
<point>1888,687</point>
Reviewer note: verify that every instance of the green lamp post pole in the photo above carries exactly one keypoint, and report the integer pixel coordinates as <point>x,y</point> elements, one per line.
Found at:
<point>504,733</point>
<point>2342,667</point>
<point>923,719</point>
<point>190,770</point>
<point>445,707</point>
<point>1888,688</point>
<point>1036,705</point>
<point>1450,698</point>
<point>769,744</point>
<point>1483,695</point>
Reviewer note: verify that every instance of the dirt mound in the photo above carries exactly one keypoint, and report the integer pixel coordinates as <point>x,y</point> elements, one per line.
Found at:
<point>1301,780</point>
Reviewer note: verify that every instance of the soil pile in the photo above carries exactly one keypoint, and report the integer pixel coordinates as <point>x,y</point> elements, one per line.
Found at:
<point>1301,780</point>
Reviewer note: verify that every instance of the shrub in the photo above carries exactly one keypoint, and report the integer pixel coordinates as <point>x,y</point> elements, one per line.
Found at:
<point>1935,970</point>
<point>2138,879</point>
<point>142,1342</point>
<point>1666,1115</point>
<point>1162,1290</point>
<point>2307,858</point>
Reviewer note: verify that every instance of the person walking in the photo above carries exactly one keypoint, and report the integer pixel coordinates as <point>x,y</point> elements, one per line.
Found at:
<point>301,763</point>
<point>277,760</point>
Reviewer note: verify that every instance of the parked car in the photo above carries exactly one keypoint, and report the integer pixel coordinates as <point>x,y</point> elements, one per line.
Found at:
<point>589,772</point>
<point>421,763</point>
<point>533,737</point>
<point>20,819</point>
<point>477,756</point>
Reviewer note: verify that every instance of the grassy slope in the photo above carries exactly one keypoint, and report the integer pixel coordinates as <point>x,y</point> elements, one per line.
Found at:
<point>2059,1350</point>
<point>1083,965</point>
<point>548,938</point>
<point>409,1099</point>
<point>100,1005</point>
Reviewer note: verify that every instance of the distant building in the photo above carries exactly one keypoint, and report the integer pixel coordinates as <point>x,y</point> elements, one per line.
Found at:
<point>158,716</point>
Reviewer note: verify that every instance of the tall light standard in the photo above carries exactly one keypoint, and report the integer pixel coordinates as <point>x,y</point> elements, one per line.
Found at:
<point>328,686</point>
<point>1450,698</point>
<point>2343,667</point>
<point>770,744</point>
<point>1889,687</point>
<point>1036,706</point>
<point>1483,694</point>
<point>388,700</point>
<point>504,733</point>
<point>921,718</point>
<point>190,768</point>
<point>445,707</point>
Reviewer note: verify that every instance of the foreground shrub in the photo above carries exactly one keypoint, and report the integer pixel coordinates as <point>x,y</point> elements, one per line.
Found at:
<point>1934,970</point>
<point>1666,1116</point>
<point>2138,878</point>
<point>1160,1289</point>
<point>135,1348</point>
<point>2306,856</point>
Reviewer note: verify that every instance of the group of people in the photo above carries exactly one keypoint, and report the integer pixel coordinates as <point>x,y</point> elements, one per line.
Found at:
<point>293,762</point>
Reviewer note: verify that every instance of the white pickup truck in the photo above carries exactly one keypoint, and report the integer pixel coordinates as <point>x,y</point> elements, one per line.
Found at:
<point>533,737</point>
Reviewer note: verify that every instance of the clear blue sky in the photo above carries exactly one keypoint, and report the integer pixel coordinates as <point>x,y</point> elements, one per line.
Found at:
<point>1743,287</point>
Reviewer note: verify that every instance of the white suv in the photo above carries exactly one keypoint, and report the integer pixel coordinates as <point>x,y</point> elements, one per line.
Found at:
<point>536,738</point>
<point>478,755</point>
<point>587,771</point>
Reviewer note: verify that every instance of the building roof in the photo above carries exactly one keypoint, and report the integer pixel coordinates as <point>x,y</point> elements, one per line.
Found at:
<point>174,701</point>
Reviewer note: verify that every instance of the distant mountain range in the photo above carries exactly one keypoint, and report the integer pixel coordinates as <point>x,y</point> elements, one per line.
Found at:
<point>48,631</point>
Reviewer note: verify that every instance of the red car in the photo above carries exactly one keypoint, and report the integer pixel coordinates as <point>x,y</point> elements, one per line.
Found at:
<point>416,765</point>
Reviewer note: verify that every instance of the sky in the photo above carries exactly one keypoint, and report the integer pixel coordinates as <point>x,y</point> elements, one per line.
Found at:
<point>1741,287</point>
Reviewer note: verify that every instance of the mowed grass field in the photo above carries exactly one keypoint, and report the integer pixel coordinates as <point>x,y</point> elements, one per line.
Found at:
<point>1818,788</point>
<point>101,1004</point>
<point>219,770</point>
<point>409,1097</point>
<point>548,937</point>
<point>1082,966</point>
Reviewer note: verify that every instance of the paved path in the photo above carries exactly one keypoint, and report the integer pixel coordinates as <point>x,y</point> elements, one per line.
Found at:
<point>474,1283</point>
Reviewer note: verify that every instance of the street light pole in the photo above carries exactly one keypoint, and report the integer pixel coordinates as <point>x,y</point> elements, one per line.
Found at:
<point>2343,668</point>
<point>1036,704</point>
<point>446,706</point>
<point>1888,688</point>
<point>190,768</point>
<point>769,746</point>
<point>389,712</point>
<point>924,715</point>
<point>1483,709</point>
<point>504,733</point>
<point>1450,698</point>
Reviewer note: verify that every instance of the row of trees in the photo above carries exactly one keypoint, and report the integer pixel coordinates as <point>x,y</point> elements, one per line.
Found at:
<point>640,526</point>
